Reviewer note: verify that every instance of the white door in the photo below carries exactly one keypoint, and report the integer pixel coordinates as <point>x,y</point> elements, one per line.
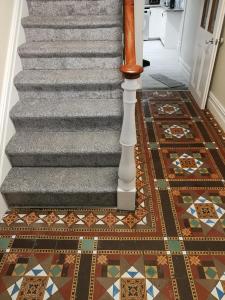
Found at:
<point>206,46</point>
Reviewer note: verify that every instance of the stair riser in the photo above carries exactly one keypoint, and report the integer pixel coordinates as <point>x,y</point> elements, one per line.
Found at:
<point>71,63</point>
<point>61,200</point>
<point>65,94</point>
<point>71,8</point>
<point>66,124</point>
<point>90,34</point>
<point>65,160</point>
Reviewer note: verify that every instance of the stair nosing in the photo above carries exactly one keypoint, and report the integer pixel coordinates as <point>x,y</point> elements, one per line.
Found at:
<point>24,51</point>
<point>27,22</point>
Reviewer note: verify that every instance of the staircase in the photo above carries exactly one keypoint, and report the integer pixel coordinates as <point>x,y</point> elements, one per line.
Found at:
<point>66,148</point>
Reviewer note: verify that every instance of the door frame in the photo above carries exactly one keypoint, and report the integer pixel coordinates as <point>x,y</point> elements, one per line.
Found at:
<point>217,36</point>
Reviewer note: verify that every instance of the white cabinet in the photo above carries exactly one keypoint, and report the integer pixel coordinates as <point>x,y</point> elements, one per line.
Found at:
<point>165,24</point>
<point>155,22</point>
<point>171,25</point>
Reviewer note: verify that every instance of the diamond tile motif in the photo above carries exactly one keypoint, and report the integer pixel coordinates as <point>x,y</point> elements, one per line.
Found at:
<point>188,163</point>
<point>133,285</point>
<point>206,211</point>
<point>173,130</point>
<point>113,271</point>
<point>210,273</point>
<point>56,270</point>
<point>51,218</point>
<point>33,287</point>
<point>19,270</point>
<point>30,218</point>
<point>132,278</point>
<point>177,131</point>
<point>37,277</point>
<point>151,271</point>
<point>219,291</point>
<point>162,109</point>
<point>200,212</point>
<point>9,219</point>
<point>168,109</point>
<point>14,290</point>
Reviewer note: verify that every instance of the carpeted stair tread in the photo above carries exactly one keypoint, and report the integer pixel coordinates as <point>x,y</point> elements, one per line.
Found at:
<point>74,7</point>
<point>60,180</point>
<point>72,22</point>
<point>66,108</point>
<point>67,114</point>
<point>54,79</point>
<point>81,148</point>
<point>71,48</point>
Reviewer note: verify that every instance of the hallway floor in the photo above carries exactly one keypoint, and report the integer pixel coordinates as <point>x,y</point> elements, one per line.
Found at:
<point>163,61</point>
<point>171,247</point>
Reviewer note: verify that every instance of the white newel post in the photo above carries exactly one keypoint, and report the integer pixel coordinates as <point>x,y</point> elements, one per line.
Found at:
<point>126,192</point>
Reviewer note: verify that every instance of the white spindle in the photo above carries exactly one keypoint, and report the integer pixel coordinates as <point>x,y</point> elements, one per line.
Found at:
<point>126,192</point>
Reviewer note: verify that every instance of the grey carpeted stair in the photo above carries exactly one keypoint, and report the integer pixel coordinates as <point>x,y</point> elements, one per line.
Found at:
<point>81,28</point>
<point>52,187</point>
<point>71,55</point>
<point>93,83</point>
<point>73,7</point>
<point>67,114</point>
<point>66,148</point>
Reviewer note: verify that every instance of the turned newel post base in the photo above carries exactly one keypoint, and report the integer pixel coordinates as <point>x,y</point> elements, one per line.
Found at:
<point>126,192</point>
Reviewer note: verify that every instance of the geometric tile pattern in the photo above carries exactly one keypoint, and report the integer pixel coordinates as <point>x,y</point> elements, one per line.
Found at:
<point>95,219</point>
<point>168,109</point>
<point>199,213</point>
<point>209,275</point>
<point>219,291</point>
<point>188,163</point>
<point>171,247</point>
<point>38,277</point>
<point>177,131</point>
<point>133,277</point>
<point>206,211</point>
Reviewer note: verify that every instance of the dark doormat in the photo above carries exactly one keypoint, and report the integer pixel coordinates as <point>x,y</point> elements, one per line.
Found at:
<point>171,83</point>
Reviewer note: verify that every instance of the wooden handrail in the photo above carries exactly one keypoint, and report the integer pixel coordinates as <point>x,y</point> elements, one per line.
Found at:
<point>130,69</point>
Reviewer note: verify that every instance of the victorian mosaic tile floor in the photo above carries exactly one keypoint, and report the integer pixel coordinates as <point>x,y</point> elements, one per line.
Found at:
<point>171,247</point>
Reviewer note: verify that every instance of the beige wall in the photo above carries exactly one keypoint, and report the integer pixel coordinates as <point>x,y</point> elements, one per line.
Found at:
<point>6,11</point>
<point>218,86</point>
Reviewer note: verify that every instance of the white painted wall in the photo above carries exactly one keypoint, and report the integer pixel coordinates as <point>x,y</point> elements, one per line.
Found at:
<point>12,35</point>
<point>191,23</point>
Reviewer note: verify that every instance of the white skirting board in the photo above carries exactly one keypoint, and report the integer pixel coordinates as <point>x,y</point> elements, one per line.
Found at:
<point>217,110</point>
<point>9,95</point>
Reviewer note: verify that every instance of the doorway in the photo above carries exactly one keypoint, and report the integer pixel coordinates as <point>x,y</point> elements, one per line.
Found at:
<point>163,28</point>
<point>172,47</point>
